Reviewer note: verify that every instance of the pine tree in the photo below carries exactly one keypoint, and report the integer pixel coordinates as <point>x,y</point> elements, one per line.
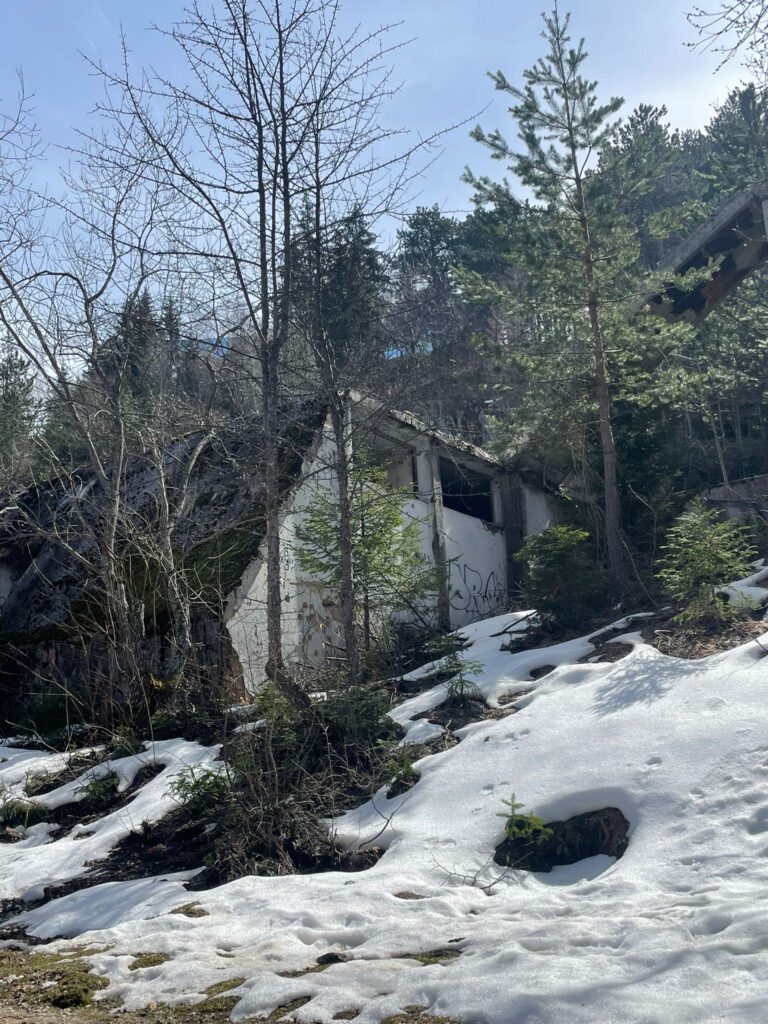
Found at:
<point>649,168</point>
<point>738,143</point>
<point>575,251</point>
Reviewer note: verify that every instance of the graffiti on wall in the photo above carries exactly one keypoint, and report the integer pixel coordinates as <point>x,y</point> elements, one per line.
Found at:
<point>472,592</point>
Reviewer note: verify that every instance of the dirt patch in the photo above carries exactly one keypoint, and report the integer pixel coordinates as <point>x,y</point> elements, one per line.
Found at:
<point>541,671</point>
<point>409,687</point>
<point>584,835</point>
<point>101,797</point>
<point>609,652</point>
<point>401,786</point>
<point>434,956</point>
<point>452,715</point>
<point>78,763</point>
<point>510,698</point>
<point>701,641</point>
<point>35,989</point>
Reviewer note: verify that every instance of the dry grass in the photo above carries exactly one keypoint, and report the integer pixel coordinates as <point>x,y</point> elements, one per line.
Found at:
<point>700,642</point>
<point>31,981</point>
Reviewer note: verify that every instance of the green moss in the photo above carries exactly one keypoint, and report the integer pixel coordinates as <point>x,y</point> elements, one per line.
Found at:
<point>190,910</point>
<point>416,1016</point>
<point>218,562</point>
<point>314,969</point>
<point>219,1008</point>
<point>76,989</point>
<point>436,956</point>
<point>143,960</point>
<point>73,983</point>
<point>224,986</point>
<point>282,1011</point>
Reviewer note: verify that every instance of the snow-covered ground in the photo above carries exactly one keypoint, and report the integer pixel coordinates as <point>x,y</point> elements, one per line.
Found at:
<point>676,931</point>
<point>40,859</point>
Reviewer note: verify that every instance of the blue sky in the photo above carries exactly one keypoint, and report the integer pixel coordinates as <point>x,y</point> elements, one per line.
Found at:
<point>637,51</point>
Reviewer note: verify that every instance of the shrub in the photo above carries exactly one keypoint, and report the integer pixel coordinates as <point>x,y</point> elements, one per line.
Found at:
<point>400,765</point>
<point>391,572</point>
<point>201,790</point>
<point>702,554</point>
<point>354,718</point>
<point>278,784</point>
<point>459,686</point>
<point>560,577</point>
<point>16,811</point>
<point>520,825</point>
<point>100,789</point>
<point>124,742</point>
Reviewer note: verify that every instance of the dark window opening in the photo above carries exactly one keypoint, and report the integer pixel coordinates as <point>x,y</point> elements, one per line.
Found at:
<point>465,491</point>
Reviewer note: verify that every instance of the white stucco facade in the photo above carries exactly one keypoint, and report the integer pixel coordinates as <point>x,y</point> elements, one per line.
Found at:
<point>474,549</point>
<point>310,628</point>
<point>477,574</point>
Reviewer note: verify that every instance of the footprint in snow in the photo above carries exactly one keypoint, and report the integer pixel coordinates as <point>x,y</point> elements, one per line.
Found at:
<point>753,797</point>
<point>758,823</point>
<point>713,924</point>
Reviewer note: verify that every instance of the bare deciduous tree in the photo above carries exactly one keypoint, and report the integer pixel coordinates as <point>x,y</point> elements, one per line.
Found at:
<point>281,117</point>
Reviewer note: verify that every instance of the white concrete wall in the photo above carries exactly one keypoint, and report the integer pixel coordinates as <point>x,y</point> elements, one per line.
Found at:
<point>310,616</point>
<point>476,552</point>
<point>538,514</point>
<point>477,555</point>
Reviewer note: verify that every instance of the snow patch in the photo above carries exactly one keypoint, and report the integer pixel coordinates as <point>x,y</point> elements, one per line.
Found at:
<point>677,930</point>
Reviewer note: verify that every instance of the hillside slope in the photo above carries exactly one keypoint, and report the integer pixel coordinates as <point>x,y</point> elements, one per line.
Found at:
<point>677,929</point>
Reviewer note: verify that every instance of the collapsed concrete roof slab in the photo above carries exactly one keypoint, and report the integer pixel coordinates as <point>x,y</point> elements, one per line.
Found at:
<point>737,235</point>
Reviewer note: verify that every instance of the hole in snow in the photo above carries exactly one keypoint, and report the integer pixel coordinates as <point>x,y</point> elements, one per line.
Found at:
<point>541,671</point>
<point>595,833</point>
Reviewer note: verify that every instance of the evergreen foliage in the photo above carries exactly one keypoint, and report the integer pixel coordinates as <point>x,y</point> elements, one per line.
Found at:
<point>391,574</point>
<point>701,555</point>
<point>577,256</point>
<point>519,824</point>
<point>560,577</point>
<point>352,294</point>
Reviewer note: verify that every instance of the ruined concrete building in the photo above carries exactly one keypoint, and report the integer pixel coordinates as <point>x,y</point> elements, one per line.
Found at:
<point>472,512</point>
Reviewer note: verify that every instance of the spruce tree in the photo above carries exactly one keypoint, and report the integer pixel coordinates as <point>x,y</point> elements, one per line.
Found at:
<point>391,573</point>
<point>352,295</point>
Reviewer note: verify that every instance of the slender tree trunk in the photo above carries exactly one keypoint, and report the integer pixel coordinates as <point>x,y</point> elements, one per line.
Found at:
<point>328,365</point>
<point>346,559</point>
<point>274,667</point>
<point>614,536</point>
<point>366,594</point>
<point>716,437</point>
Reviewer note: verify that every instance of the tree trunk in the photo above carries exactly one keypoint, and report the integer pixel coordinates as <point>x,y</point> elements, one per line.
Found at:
<point>274,667</point>
<point>346,557</point>
<point>614,536</point>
